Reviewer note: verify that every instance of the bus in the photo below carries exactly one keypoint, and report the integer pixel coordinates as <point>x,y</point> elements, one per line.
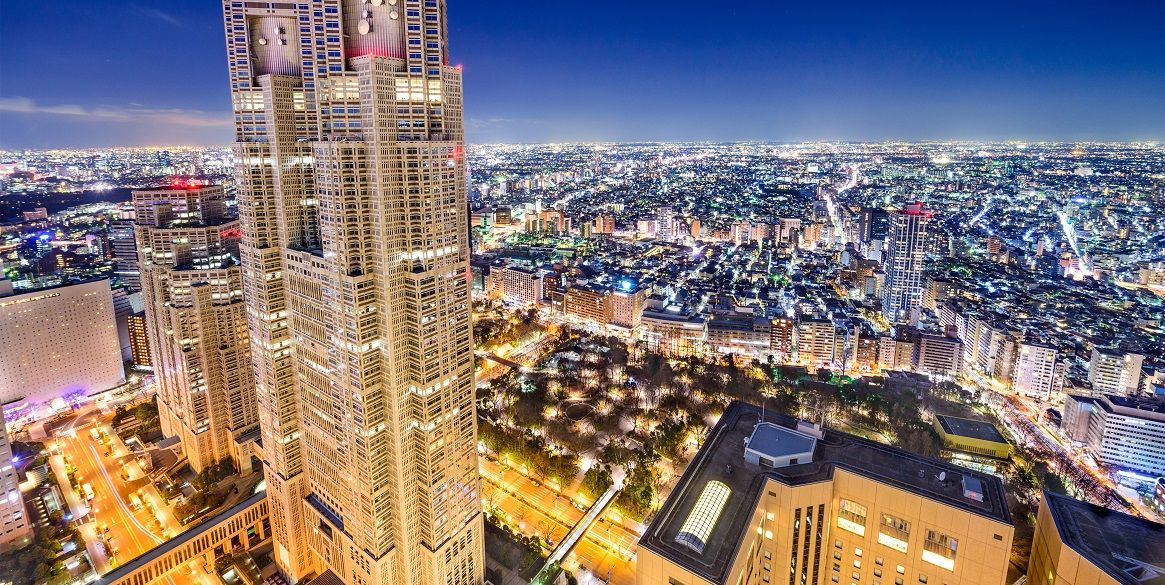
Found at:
<point>93,434</point>
<point>88,491</point>
<point>135,502</point>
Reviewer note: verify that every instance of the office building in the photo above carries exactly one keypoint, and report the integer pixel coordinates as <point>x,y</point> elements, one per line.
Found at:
<point>1077,543</point>
<point>516,284</point>
<point>816,342</point>
<point>939,355</point>
<point>1036,371</point>
<point>1128,433</point>
<point>673,332</point>
<point>742,334</point>
<point>1114,371</point>
<point>125,254</point>
<point>778,501</point>
<point>349,143</point>
<point>1077,417</point>
<point>139,341</point>
<point>896,349</point>
<point>627,303</point>
<point>15,529</point>
<point>196,319</point>
<point>589,302</point>
<point>59,342</point>
<point>905,260</point>
<point>781,341</point>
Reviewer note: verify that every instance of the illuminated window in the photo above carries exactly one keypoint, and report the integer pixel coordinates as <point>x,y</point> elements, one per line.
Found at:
<point>852,517</point>
<point>894,532</point>
<point>698,527</point>
<point>940,550</point>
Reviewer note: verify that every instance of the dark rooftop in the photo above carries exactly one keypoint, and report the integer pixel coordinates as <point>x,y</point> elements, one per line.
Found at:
<point>973,429</point>
<point>722,459</point>
<point>1130,549</point>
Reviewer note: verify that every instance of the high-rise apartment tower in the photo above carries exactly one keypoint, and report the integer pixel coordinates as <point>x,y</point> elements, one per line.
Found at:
<point>904,261</point>
<point>352,194</point>
<point>196,320</point>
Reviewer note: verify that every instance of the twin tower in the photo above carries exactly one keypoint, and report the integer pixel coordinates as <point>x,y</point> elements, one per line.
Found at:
<point>349,141</point>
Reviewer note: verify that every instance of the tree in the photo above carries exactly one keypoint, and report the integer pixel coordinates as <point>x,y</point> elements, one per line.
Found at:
<point>596,481</point>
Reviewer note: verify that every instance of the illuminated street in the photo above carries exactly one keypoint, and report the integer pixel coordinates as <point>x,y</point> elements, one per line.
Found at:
<point>608,547</point>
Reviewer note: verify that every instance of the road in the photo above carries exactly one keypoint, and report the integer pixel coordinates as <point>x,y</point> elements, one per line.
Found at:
<point>130,532</point>
<point>607,548</point>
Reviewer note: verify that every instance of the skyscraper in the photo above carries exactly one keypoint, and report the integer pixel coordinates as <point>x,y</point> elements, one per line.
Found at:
<point>196,320</point>
<point>904,262</point>
<point>352,195</point>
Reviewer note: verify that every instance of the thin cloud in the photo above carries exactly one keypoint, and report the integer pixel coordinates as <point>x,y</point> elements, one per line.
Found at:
<point>134,115</point>
<point>164,16</point>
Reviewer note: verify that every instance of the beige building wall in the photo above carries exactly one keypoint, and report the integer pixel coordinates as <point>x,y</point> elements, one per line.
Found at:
<point>1054,563</point>
<point>831,544</point>
<point>352,195</point>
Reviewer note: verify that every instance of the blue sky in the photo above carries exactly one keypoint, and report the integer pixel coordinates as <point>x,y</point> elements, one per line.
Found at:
<point>103,73</point>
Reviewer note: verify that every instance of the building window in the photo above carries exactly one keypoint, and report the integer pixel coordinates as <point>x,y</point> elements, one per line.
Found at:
<point>852,517</point>
<point>894,532</point>
<point>940,550</point>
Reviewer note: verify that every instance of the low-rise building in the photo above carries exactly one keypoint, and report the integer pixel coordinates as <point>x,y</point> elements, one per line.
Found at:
<point>972,436</point>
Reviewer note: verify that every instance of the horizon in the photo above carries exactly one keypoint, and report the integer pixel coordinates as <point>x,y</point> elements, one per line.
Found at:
<point>1014,143</point>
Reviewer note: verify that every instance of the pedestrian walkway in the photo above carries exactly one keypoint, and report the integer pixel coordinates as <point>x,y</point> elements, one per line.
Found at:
<point>554,563</point>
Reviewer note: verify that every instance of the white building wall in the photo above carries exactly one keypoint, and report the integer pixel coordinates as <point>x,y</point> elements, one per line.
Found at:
<point>59,342</point>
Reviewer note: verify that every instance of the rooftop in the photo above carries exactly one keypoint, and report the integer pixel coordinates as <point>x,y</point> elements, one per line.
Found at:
<point>964,427</point>
<point>1130,549</point>
<point>721,459</point>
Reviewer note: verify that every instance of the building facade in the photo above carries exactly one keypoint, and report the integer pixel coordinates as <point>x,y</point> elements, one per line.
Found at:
<point>627,307</point>
<point>777,501</point>
<point>1036,371</point>
<point>15,529</point>
<point>905,260</point>
<point>1077,543</point>
<point>196,319</point>
<point>59,343</point>
<point>1115,372</point>
<point>352,194</point>
<point>1128,433</point>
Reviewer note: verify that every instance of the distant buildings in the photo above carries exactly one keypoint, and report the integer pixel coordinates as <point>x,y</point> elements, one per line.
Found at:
<point>1037,371</point>
<point>905,260</point>
<point>196,320</point>
<point>516,284</point>
<point>1124,432</point>
<point>15,528</point>
<point>59,342</point>
<point>777,501</point>
<point>1114,371</point>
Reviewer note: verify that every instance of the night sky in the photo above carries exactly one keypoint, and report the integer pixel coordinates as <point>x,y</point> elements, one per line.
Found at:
<point>107,72</point>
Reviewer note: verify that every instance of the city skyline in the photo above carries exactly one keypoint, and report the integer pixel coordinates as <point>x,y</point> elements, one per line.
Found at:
<point>715,299</point>
<point>1074,71</point>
